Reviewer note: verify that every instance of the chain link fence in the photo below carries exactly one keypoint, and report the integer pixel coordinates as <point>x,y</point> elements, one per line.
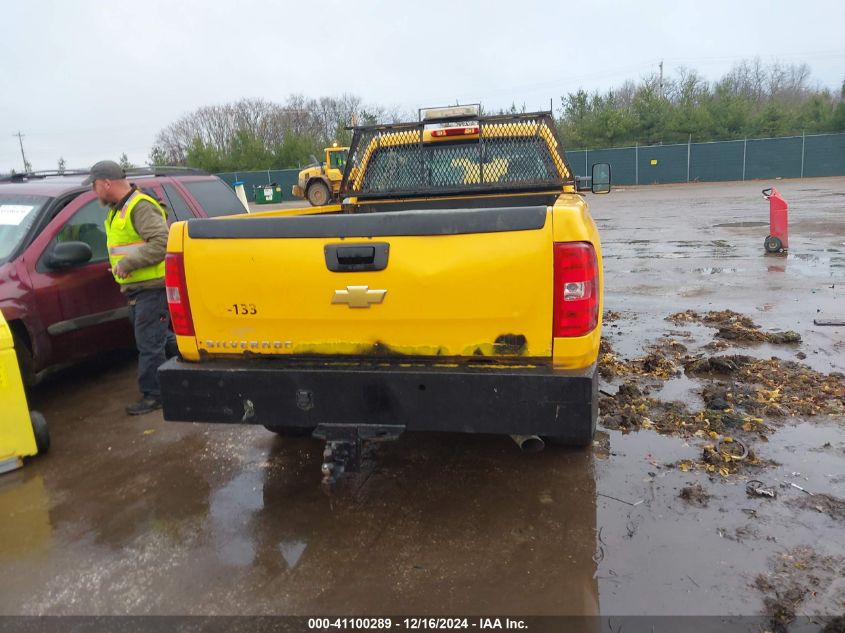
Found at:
<point>803,156</point>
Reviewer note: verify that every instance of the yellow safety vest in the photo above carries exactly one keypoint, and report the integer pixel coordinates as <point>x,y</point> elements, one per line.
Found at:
<point>123,239</point>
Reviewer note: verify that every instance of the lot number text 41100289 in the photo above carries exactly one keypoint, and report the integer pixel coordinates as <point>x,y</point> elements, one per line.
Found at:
<point>415,624</point>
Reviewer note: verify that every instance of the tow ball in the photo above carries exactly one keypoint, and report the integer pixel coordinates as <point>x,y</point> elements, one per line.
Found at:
<point>342,453</point>
<point>339,456</point>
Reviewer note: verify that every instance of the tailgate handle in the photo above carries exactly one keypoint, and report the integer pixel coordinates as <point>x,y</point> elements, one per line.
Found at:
<point>351,255</point>
<point>349,258</point>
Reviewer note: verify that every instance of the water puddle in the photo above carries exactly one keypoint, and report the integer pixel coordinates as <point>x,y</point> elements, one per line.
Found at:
<point>705,553</point>
<point>715,270</point>
<point>292,551</point>
<point>680,388</point>
<point>231,509</point>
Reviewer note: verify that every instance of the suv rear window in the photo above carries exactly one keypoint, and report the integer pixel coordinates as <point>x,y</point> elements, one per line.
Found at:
<point>177,203</point>
<point>215,197</point>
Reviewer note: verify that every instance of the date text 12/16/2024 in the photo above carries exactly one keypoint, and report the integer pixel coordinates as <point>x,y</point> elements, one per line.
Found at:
<point>415,624</point>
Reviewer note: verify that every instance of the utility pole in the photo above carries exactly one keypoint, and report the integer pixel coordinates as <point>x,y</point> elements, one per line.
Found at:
<point>25,162</point>
<point>661,78</point>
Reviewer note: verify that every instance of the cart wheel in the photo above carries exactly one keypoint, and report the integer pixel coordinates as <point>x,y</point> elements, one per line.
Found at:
<point>42,435</point>
<point>773,244</point>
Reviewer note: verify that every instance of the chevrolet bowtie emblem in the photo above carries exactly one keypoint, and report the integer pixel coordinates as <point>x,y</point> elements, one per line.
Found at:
<point>358,296</point>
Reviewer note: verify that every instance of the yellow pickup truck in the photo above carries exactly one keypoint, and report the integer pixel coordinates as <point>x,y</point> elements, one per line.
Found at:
<point>458,287</point>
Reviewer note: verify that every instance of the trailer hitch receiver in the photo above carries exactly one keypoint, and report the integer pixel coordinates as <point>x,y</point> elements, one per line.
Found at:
<point>342,453</point>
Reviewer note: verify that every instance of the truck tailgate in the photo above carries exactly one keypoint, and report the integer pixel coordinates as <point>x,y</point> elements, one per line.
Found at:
<point>445,282</point>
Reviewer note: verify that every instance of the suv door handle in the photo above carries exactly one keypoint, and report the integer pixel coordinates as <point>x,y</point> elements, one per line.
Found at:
<point>349,258</point>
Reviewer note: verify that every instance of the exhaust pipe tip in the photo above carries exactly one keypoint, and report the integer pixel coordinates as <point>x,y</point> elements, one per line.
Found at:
<point>529,443</point>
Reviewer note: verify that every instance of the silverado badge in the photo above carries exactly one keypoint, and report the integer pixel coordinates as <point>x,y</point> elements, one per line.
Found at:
<point>358,296</point>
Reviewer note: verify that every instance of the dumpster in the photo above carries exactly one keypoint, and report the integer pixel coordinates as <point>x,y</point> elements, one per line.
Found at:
<point>22,434</point>
<point>267,194</point>
<point>778,239</point>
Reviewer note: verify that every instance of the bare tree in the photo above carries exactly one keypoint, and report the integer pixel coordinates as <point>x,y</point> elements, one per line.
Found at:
<point>157,157</point>
<point>689,88</point>
<point>217,126</point>
<point>625,94</point>
<point>785,83</point>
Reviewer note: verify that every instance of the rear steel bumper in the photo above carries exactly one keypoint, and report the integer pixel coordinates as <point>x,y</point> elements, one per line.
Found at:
<point>537,400</point>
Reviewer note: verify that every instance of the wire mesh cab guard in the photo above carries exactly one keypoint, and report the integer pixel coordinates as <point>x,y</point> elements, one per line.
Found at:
<point>503,153</point>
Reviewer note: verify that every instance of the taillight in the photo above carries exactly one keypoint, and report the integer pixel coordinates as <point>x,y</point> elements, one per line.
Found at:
<point>576,293</point>
<point>177,294</point>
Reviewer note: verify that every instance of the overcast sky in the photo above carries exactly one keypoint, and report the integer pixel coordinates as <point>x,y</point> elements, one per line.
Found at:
<point>88,79</point>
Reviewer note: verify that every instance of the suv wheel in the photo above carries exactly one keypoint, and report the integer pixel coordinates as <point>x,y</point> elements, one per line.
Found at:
<point>25,360</point>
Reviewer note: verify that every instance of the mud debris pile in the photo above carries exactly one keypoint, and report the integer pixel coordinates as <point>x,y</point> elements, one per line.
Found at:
<point>832,506</point>
<point>772,387</point>
<point>799,577</point>
<point>662,361</point>
<point>735,327</point>
<point>744,397</point>
<point>695,495</point>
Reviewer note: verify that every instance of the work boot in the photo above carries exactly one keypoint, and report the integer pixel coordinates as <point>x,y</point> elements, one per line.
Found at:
<point>144,405</point>
<point>170,350</point>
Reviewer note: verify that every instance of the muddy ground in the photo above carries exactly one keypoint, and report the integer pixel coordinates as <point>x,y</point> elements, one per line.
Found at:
<point>705,415</point>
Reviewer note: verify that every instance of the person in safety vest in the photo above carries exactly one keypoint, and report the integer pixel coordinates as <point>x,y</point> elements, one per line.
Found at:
<point>136,234</point>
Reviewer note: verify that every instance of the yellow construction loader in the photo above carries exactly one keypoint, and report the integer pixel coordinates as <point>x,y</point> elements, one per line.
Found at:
<point>320,184</point>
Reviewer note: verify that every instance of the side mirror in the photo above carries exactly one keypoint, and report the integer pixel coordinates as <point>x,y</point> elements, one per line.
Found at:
<point>601,178</point>
<point>67,254</point>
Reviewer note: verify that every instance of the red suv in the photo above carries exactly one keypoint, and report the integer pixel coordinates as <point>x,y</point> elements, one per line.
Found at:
<point>56,290</point>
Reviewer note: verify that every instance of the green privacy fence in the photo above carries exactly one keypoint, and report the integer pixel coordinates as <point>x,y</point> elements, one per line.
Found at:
<point>748,159</point>
<point>285,178</point>
<point>790,157</point>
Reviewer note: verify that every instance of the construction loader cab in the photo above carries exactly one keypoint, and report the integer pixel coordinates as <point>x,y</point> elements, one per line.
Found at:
<point>336,158</point>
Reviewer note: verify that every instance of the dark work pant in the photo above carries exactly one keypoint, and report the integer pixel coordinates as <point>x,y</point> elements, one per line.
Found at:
<point>151,320</point>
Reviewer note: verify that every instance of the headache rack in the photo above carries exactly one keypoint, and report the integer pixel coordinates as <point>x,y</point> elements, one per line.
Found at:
<point>510,153</point>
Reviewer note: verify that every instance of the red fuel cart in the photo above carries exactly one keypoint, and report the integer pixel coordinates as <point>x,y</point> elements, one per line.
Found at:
<point>778,238</point>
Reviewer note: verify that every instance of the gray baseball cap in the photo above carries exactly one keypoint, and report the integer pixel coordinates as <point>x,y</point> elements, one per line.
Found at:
<point>105,170</point>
